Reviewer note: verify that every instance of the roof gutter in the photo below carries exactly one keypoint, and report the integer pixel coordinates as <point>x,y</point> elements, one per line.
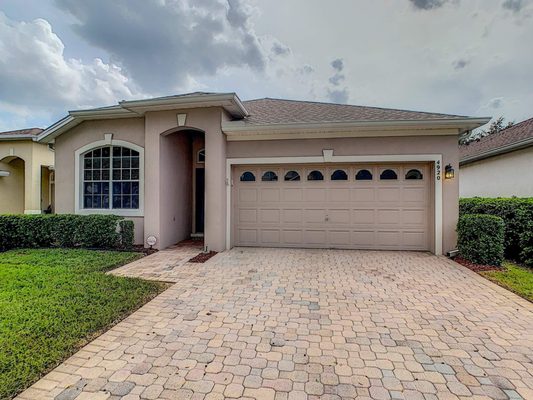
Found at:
<point>498,151</point>
<point>462,124</point>
<point>17,137</point>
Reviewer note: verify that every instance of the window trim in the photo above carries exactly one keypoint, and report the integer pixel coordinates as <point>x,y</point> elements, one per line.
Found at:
<point>339,180</point>
<point>369,170</point>
<point>413,170</point>
<point>78,172</point>
<point>388,179</point>
<point>314,180</point>
<point>292,180</point>
<point>247,172</point>
<point>269,180</point>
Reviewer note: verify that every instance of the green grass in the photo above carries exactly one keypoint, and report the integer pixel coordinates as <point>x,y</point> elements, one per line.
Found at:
<point>52,301</point>
<point>515,278</point>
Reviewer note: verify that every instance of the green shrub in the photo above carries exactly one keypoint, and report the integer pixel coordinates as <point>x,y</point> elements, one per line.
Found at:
<point>517,213</point>
<point>65,230</point>
<point>481,238</point>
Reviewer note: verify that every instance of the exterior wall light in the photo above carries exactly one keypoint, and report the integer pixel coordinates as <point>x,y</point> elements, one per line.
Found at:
<point>449,173</point>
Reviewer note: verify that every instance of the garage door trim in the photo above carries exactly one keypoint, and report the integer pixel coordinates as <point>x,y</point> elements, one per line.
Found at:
<point>328,157</point>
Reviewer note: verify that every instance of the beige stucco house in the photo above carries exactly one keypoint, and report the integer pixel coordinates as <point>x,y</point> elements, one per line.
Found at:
<point>26,173</point>
<point>265,172</point>
<point>499,165</point>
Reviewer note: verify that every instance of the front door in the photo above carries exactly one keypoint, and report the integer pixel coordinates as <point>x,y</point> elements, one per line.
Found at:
<point>200,187</point>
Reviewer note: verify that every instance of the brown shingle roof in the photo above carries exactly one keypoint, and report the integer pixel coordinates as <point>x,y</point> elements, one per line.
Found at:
<point>23,132</point>
<point>506,137</point>
<point>278,111</point>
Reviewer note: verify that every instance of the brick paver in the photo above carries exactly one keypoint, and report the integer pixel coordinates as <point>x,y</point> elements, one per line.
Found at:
<point>308,324</point>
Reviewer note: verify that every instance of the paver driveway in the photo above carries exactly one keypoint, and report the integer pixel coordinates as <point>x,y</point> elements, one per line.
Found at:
<point>297,324</point>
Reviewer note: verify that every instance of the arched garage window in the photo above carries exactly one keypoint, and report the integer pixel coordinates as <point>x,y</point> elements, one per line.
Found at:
<point>247,176</point>
<point>111,178</point>
<point>413,174</point>
<point>388,174</point>
<point>315,176</point>
<point>363,175</point>
<point>269,176</point>
<point>292,176</point>
<point>339,175</point>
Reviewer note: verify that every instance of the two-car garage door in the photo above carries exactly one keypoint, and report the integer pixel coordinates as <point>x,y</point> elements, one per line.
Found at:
<point>355,206</point>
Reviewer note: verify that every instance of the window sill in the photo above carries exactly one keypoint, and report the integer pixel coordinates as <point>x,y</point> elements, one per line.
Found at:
<point>120,213</point>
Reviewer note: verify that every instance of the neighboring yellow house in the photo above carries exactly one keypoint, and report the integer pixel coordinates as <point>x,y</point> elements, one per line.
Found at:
<point>26,173</point>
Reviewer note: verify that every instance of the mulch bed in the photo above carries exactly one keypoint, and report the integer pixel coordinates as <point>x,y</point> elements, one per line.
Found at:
<point>476,267</point>
<point>202,257</point>
<point>139,248</point>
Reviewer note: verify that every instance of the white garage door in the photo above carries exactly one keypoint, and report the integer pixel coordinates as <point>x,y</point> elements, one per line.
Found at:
<point>357,206</point>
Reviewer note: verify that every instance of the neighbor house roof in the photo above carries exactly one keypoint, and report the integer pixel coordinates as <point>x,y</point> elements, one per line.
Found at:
<point>513,138</point>
<point>30,133</point>
<point>251,117</point>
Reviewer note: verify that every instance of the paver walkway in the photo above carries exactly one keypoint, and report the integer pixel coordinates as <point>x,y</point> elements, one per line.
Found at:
<point>309,324</point>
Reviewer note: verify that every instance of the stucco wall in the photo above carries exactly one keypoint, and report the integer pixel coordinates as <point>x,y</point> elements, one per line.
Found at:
<point>445,145</point>
<point>12,187</point>
<point>506,175</point>
<point>130,130</point>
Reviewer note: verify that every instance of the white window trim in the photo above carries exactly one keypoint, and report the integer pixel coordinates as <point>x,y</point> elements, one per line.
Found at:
<point>78,190</point>
<point>328,157</point>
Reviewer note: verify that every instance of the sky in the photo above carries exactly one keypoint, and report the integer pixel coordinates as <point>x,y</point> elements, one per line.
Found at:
<point>465,57</point>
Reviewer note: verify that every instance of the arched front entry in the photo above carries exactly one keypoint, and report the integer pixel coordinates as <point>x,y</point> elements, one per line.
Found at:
<point>182,185</point>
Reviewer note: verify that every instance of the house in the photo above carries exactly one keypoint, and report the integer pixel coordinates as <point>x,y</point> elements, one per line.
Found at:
<point>26,173</point>
<point>499,165</point>
<point>266,172</point>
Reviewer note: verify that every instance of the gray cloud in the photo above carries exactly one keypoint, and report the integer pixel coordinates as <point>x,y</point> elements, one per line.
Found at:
<point>513,5</point>
<point>162,44</point>
<point>339,96</point>
<point>427,4</point>
<point>460,64</point>
<point>335,94</point>
<point>338,64</point>
<point>280,49</point>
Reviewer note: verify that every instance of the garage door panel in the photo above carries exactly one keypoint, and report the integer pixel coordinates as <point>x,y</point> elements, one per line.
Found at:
<point>270,236</point>
<point>247,215</point>
<point>247,195</point>
<point>270,215</point>
<point>353,214</point>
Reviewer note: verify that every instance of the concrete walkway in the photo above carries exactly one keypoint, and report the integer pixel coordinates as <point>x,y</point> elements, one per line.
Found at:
<point>308,324</point>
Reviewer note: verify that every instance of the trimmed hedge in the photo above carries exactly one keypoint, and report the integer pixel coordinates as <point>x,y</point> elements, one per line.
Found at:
<point>65,230</point>
<point>517,213</point>
<point>481,238</point>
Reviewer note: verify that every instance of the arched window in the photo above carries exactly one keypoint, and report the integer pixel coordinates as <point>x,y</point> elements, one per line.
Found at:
<point>315,176</point>
<point>269,176</point>
<point>388,174</point>
<point>292,176</point>
<point>413,174</point>
<point>201,156</point>
<point>247,176</point>
<point>111,178</point>
<point>363,175</point>
<point>339,175</point>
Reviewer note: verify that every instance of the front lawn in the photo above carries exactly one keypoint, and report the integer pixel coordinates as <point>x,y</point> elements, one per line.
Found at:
<point>515,278</point>
<point>52,301</point>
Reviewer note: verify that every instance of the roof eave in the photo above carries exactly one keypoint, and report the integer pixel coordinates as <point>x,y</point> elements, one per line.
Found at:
<point>498,151</point>
<point>229,101</point>
<point>461,124</point>
<point>17,137</point>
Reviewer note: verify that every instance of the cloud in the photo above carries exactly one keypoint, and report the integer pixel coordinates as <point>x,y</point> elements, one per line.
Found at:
<point>279,49</point>
<point>460,63</point>
<point>35,74</point>
<point>162,43</point>
<point>335,94</point>
<point>427,4</point>
<point>513,5</point>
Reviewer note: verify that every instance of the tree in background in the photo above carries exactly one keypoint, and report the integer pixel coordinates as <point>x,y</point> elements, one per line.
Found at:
<point>494,127</point>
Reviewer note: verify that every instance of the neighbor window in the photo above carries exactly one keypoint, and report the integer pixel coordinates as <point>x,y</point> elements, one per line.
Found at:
<point>247,177</point>
<point>339,175</point>
<point>269,176</point>
<point>315,176</point>
<point>388,174</point>
<point>413,174</point>
<point>111,178</point>
<point>292,176</point>
<point>363,175</point>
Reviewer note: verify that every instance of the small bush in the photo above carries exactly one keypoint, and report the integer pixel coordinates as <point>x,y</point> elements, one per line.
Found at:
<point>481,238</point>
<point>517,213</point>
<point>65,230</point>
